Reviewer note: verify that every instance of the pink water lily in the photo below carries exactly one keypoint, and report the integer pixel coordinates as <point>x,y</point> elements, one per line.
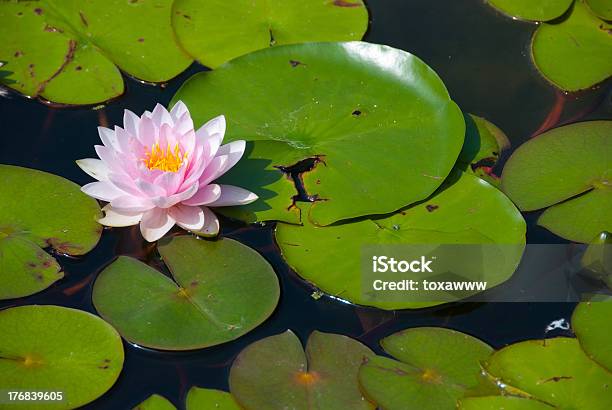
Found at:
<point>157,171</point>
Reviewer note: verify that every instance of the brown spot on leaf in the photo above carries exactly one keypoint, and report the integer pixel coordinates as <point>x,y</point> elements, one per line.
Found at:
<point>356,113</point>
<point>344,3</point>
<point>187,16</point>
<point>431,207</point>
<point>295,63</point>
<point>141,40</point>
<point>556,379</point>
<point>83,19</point>
<point>38,11</point>
<point>72,44</point>
<point>18,53</point>
<point>78,68</point>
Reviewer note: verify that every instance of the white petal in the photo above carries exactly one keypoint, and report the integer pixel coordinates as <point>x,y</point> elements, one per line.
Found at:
<point>178,110</point>
<point>206,195</point>
<point>211,223</point>
<point>155,224</point>
<point>118,219</point>
<point>130,122</point>
<point>190,218</point>
<point>233,195</point>
<point>104,191</point>
<point>109,138</point>
<point>211,134</point>
<point>94,168</point>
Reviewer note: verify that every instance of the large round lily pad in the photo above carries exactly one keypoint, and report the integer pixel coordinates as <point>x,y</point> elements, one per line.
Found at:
<point>368,113</point>
<point>536,10</point>
<point>592,322</point>
<point>554,371</point>
<point>56,349</point>
<point>40,210</point>
<point>575,53</point>
<point>155,402</point>
<point>569,170</point>
<point>210,399</point>
<point>216,31</point>
<point>501,403</point>
<point>71,51</point>
<point>434,368</point>
<point>221,290</point>
<point>466,211</point>
<point>276,373</point>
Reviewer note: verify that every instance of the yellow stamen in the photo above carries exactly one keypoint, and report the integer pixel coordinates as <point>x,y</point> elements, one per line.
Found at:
<point>167,160</point>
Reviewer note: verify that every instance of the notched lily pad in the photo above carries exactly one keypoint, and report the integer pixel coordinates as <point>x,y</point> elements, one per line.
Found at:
<point>554,371</point>
<point>155,402</point>
<point>364,112</point>
<point>210,399</point>
<point>576,53</point>
<point>466,210</point>
<point>70,52</point>
<point>433,367</point>
<point>567,169</point>
<point>37,211</point>
<point>215,31</point>
<point>56,349</point>
<point>538,10</point>
<point>591,323</point>
<point>276,373</point>
<point>221,290</point>
<point>483,145</point>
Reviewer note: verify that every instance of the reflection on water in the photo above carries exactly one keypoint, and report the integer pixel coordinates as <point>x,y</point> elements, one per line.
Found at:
<point>482,57</point>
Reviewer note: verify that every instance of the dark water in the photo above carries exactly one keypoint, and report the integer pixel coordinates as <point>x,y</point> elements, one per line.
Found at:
<point>482,56</point>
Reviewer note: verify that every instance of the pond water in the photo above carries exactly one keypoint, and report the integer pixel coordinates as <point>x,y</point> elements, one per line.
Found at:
<point>482,56</point>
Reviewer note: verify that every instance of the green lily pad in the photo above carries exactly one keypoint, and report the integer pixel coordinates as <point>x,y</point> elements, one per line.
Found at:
<point>366,112</point>
<point>501,402</point>
<point>434,368</point>
<point>591,323</point>
<point>221,290</point>
<point>576,53</point>
<point>567,169</point>
<point>536,10</point>
<point>554,371</point>
<point>210,399</point>
<point>484,143</point>
<point>56,349</point>
<point>597,258</point>
<point>40,210</point>
<point>466,211</point>
<point>215,31</point>
<point>602,8</point>
<point>276,373</point>
<point>70,51</point>
<point>155,402</point>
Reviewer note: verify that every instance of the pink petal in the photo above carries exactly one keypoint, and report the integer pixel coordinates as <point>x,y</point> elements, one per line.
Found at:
<point>131,122</point>
<point>124,183</point>
<point>161,116</point>
<point>178,110</point>
<point>169,201</point>
<point>119,219</point>
<point>94,168</point>
<point>212,170</point>
<point>233,195</point>
<point>190,218</point>
<point>128,203</point>
<point>108,138</point>
<point>206,195</point>
<point>147,132</point>
<point>233,151</point>
<point>210,135</point>
<point>155,224</point>
<point>211,223</point>
<point>150,190</point>
<point>103,190</point>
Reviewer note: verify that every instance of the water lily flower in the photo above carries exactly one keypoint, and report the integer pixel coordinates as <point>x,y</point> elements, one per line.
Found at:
<point>157,171</point>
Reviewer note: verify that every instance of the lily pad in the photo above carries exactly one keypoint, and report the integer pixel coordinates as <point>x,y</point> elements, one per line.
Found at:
<point>155,402</point>
<point>501,402</point>
<point>597,258</point>
<point>364,112</point>
<point>276,373</point>
<point>40,210</point>
<point>210,399</point>
<point>554,371</point>
<point>433,367</point>
<point>467,210</point>
<point>538,10</point>
<point>221,290</point>
<point>483,145</point>
<point>591,323</point>
<point>56,349</point>
<point>215,31</point>
<point>602,8</point>
<point>567,169</point>
<point>575,53</point>
<point>71,52</point>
